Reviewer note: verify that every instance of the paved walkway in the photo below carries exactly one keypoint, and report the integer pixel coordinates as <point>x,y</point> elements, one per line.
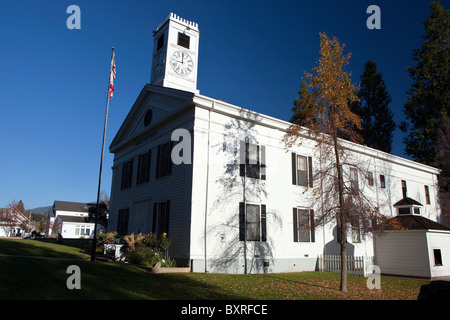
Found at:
<point>39,257</point>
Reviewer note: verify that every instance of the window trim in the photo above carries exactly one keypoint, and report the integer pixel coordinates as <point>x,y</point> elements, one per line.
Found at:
<point>427,195</point>
<point>404,188</point>
<point>123,219</point>
<point>127,174</point>
<point>161,219</point>
<point>243,226</point>
<point>382,181</point>
<point>296,225</point>
<point>159,160</point>
<point>143,176</point>
<point>370,179</point>
<point>295,171</point>
<point>252,170</point>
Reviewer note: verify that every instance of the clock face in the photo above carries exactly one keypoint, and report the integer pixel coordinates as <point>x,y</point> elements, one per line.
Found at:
<point>182,63</point>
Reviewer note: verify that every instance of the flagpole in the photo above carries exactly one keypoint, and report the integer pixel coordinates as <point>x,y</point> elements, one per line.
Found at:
<point>94,241</point>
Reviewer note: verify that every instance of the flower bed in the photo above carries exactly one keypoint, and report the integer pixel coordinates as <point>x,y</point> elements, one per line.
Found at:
<point>146,250</point>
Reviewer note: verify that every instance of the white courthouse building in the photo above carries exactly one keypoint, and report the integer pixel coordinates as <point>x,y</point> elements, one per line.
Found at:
<point>225,217</point>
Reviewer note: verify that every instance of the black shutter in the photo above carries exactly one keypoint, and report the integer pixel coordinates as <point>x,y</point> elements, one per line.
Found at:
<point>310,171</point>
<point>242,158</point>
<point>313,229</point>
<point>263,223</point>
<point>158,159</point>
<point>167,217</point>
<point>139,170</point>
<point>241,221</point>
<point>169,158</point>
<point>155,212</point>
<point>294,211</point>
<point>263,162</point>
<point>294,168</point>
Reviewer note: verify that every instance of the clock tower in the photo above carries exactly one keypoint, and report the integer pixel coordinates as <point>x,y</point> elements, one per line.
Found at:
<point>175,54</point>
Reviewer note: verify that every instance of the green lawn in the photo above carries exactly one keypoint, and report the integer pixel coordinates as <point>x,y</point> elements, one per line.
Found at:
<point>29,278</point>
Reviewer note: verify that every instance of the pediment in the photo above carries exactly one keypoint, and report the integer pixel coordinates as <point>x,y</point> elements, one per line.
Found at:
<point>160,102</point>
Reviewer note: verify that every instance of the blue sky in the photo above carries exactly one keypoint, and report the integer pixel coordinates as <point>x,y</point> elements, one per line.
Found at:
<point>53,80</point>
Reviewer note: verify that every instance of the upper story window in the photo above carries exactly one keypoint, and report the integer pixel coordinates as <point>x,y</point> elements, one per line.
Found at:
<point>143,174</point>
<point>302,172</point>
<point>183,40</point>
<point>252,160</point>
<point>354,180</point>
<point>370,180</point>
<point>404,189</point>
<point>127,174</point>
<point>164,160</point>
<point>427,195</point>
<point>382,181</point>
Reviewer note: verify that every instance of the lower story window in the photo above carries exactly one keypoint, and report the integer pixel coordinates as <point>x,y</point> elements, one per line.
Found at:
<point>437,257</point>
<point>252,222</point>
<point>81,230</point>
<point>304,230</point>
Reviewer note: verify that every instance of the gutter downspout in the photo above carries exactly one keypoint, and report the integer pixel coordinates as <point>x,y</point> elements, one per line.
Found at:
<point>207,184</point>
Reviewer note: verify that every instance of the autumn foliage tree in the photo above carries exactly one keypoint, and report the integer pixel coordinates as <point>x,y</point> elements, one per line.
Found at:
<point>323,113</point>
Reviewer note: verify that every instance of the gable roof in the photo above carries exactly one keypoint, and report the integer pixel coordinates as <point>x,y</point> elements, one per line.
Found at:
<point>72,206</point>
<point>168,100</point>
<point>73,219</point>
<point>413,222</point>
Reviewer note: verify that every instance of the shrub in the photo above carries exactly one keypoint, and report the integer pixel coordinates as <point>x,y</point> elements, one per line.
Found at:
<point>148,250</point>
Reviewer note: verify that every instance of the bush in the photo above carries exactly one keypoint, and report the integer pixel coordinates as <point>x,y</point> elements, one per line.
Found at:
<point>148,250</point>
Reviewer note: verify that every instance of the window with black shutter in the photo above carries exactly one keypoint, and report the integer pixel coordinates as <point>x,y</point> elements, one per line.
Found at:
<point>161,218</point>
<point>183,40</point>
<point>303,222</point>
<point>252,222</point>
<point>252,160</point>
<point>122,222</point>
<point>143,174</point>
<point>127,174</point>
<point>302,170</point>
<point>164,160</point>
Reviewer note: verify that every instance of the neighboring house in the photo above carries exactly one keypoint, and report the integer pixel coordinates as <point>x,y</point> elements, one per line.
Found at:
<point>11,218</point>
<point>222,215</point>
<point>71,219</point>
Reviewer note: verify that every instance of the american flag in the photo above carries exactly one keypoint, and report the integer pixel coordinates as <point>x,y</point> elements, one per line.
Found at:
<point>112,76</point>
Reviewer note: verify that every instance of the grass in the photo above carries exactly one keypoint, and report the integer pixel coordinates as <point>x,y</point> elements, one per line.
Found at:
<point>27,278</point>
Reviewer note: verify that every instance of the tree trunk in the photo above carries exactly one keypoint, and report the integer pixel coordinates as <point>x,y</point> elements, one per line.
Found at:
<point>343,229</point>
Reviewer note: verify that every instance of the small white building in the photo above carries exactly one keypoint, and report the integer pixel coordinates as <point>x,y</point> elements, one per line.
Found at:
<point>220,215</point>
<point>413,246</point>
<point>71,218</point>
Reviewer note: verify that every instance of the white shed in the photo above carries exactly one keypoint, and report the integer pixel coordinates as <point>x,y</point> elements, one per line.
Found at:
<point>418,248</point>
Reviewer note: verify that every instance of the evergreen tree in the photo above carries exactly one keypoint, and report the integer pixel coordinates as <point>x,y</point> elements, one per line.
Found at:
<point>373,108</point>
<point>428,101</point>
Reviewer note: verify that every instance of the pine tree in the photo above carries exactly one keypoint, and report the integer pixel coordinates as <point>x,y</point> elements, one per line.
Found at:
<point>373,108</point>
<point>428,101</point>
